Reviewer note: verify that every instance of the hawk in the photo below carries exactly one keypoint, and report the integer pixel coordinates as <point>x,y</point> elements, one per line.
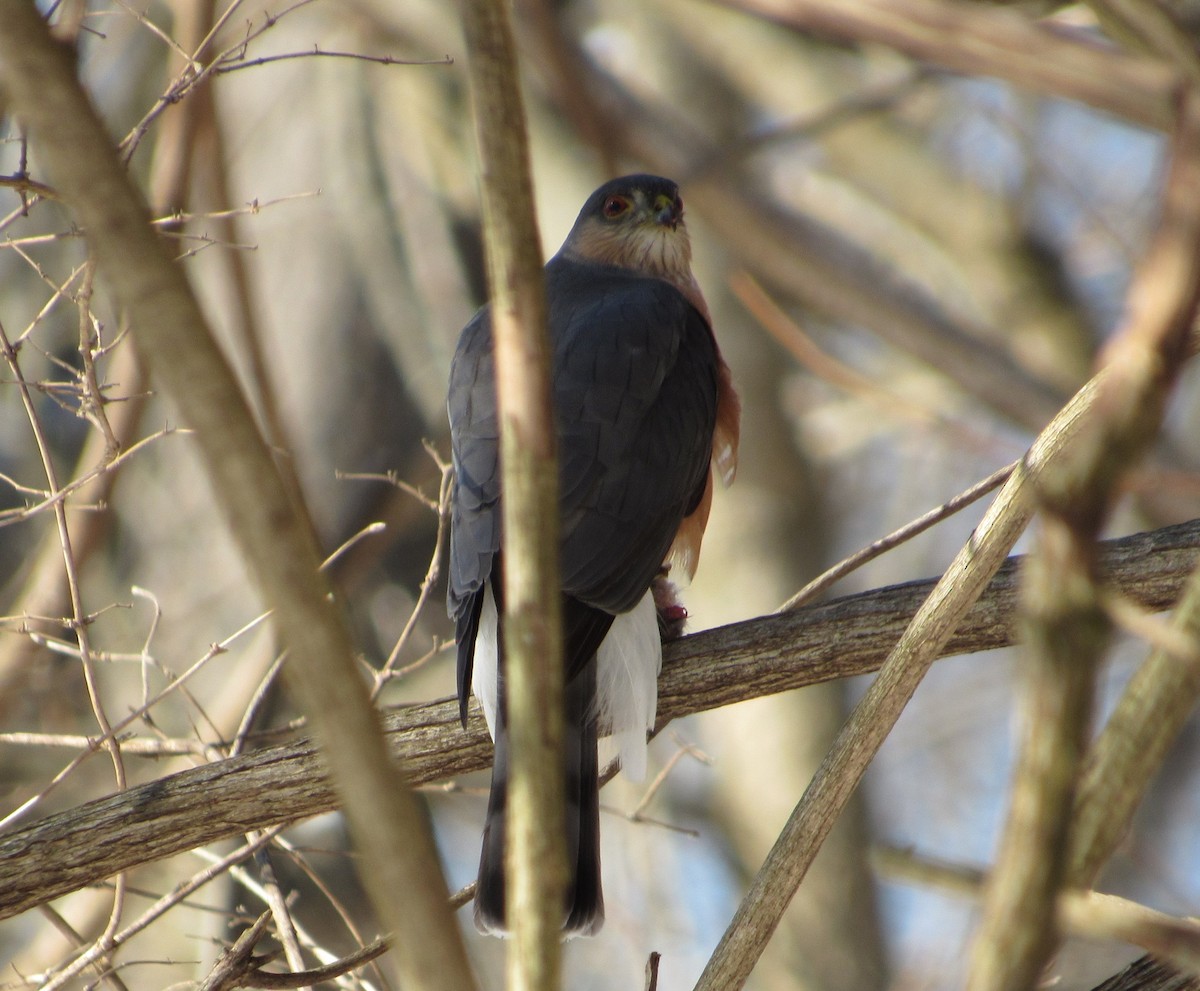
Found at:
<point>645,415</point>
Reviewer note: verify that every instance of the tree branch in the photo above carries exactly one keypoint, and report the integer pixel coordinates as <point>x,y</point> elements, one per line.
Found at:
<point>839,639</point>
<point>536,852</point>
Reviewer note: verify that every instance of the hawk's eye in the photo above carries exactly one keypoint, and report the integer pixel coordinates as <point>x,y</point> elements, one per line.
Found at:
<point>614,206</point>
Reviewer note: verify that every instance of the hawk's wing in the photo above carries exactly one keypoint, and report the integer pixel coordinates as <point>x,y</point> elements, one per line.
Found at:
<point>635,390</point>
<point>634,387</point>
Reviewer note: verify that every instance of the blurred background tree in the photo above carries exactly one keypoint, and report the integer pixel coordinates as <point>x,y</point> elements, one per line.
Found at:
<point>909,269</point>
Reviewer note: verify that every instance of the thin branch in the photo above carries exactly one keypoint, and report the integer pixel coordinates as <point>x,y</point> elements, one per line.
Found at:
<point>59,292</point>
<point>251,208</point>
<point>154,29</point>
<point>428,583</point>
<point>79,618</point>
<point>237,960</point>
<point>317,51</point>
<point>262,890</point>
<point>277,903</point>
<point>1101,917</point>
<point>154,912</point>
<point>25,185</point>
<point>139,713</point>
<point>335,903</point>
<point>392,479</point>
<point>72,936</point>
<point>257,978</point>
<point>55,499</point>
<point>372,950</point>
<point>231,59</point>
<point>911,529</point>
<point>129,745</point>
<point>1181,645</point>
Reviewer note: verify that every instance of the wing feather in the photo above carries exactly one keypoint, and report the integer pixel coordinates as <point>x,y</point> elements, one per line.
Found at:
<point>635,384</point>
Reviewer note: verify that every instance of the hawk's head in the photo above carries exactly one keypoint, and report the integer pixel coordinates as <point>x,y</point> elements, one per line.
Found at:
<point>634,222</point>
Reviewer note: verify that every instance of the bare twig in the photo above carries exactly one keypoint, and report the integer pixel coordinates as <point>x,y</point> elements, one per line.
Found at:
<point>683,750</point>
<point>257,978</point>
<point>153,913</point>
<point>249,209</point>
<point>343,913</point>
<point>896,537</point>
<point>59,291</point>
<point>262,889</point>
<point>428,583</point>
<point>238,960</point>
<point>392,479</point>
<point>1181,645</point>
<point>317,52</point>
<point>92,399</point>
<point>1099,916</point>
<point>57,498</point>
<point>25,185</point>
<point>69,933</point>
<point>129,746</point>
<point>79,623</point>
<point>233,58</point>
<point>154,29</point>
<point>272,891</point>
<point>94,745</point>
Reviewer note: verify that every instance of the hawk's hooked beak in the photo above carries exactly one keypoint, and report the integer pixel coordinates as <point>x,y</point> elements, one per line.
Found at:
<point>667,211</point>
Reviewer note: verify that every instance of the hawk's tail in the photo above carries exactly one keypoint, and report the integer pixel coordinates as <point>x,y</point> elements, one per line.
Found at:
<point>584,910</point>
